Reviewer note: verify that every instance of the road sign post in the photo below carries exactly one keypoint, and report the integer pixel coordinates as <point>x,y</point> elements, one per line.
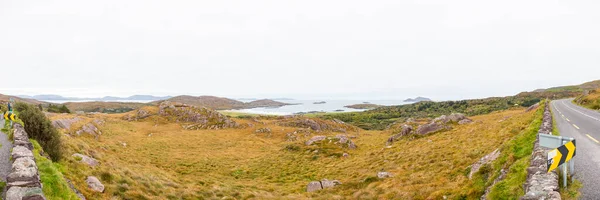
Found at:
<point>564,149</point>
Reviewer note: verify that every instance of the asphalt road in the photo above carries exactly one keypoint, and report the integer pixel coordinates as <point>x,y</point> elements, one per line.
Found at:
<point>583,125</point>
<point>5,164</point>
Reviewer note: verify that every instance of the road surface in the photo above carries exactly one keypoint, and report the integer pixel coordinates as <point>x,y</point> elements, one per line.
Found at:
<point>5,164</point>
<point>583,125</point>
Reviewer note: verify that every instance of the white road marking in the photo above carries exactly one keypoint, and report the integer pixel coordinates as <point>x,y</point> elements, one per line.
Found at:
<point>580,112</point>
<point>592,138</point>
<point>577,127</point>
<point>568,119</point>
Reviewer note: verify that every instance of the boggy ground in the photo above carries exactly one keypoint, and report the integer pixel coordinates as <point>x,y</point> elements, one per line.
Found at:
<point>155,158</point>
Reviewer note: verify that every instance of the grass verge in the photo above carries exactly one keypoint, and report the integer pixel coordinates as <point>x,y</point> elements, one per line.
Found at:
<point>515,156</point>
<point>55,186</point>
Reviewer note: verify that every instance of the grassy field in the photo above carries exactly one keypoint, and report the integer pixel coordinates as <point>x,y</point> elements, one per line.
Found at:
<point>157,159</point>
<point>591,100</point>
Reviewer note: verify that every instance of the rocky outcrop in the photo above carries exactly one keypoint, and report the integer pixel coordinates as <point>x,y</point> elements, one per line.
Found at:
<point>89,128</point>
<point>94,184</point>
<point>138,115</point>
<point>65,123</point>
<point>319,185</point>
<point>317,125</point>
<point>430,128</point>
<point>264,131</point>
<point>533,107</point>
<point>485,160</point>
<point>342,140</point>
<point>86,160</point>
<point>539,183</point>
<point>406,129</point>
<point>23,182</point>
<point>195,117</point>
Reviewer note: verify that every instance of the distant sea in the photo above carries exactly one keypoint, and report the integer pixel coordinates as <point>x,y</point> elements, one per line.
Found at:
<point>309,106</point>
<point>65,101</point>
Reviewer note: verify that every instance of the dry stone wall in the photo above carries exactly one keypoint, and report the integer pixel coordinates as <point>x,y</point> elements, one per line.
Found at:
<point>23,182</point>
<point>540,184</point>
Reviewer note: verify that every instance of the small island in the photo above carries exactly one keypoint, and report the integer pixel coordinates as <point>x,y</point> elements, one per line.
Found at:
<point>363,106</point>
<point>320,102</point>
<point>418,99</point>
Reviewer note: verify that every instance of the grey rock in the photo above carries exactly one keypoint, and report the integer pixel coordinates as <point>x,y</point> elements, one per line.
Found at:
<point>485,160</point>
<point>94,184</point>
<point>383,175</point>
<point>23,169</point>
<point>315,139</point>
<point>328,184</point>
<point>25,193</point>
<point>89,128</point>
<point>456,117</point>
<point>65,123</point>
<point>87,160</point>
<point>430,128</point>
<point>21,152</point>
<point>314,186</point>
<point>465,121</point>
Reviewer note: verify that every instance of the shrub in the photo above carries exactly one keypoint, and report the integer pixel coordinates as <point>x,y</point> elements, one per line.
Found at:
<point>40,128</point>
<point>58,109</point>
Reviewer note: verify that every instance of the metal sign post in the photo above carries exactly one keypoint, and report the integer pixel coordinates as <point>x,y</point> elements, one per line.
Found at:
<point>562,154</point>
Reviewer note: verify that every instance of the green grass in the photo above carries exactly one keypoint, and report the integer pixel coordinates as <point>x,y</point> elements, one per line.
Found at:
<point>55,185</point>
<point>516,154</point>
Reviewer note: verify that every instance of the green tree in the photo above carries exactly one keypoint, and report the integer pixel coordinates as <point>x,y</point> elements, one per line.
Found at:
<point>38,127</point>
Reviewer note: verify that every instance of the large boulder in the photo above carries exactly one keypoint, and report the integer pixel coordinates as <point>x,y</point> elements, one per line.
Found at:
<point>485,160</point>
<point>89,128</point>
<point>94,184</point>
<point>25,193</point>
<point>65,123</point>
<point>319,185</point>
<point>456,117</point>
<point>86,160</point>
<point>314,186</point>
<point>430,128</point>
<point>406,130</point>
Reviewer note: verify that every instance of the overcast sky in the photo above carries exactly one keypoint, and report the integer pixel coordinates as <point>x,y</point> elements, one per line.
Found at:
<point>300,49</point>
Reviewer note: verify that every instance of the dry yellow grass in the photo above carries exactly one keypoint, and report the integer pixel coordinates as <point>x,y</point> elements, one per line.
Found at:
<point>160,160</point>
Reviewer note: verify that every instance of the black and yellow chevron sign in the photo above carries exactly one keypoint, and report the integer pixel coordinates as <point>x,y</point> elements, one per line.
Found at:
<point>560,155</point>
<point>9,116</point>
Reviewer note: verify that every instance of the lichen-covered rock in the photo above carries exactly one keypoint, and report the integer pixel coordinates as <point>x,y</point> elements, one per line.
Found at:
<point>456,117</point>
<point>24,170</point>
<point>317,125</point>
<point>21,152</point>
<point>94,184</point>
<point>86,160</point>
<point>195,117</point>
<point>25,193</point>
<point>315,139</point>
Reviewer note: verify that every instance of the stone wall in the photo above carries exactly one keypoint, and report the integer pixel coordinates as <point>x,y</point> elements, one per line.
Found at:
<point>23,182</point>
<point>540,184</point>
